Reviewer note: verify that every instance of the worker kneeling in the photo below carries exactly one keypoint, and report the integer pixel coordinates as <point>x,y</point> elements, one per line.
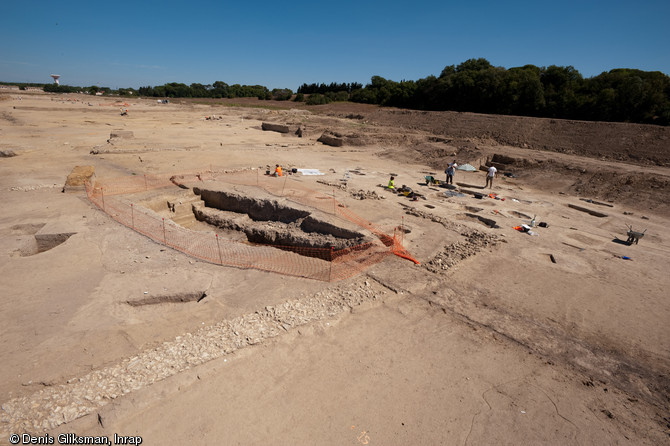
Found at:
<point>407,191</point>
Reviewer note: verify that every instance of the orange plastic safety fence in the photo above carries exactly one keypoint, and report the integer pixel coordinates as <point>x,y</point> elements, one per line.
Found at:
<point>314,263</point>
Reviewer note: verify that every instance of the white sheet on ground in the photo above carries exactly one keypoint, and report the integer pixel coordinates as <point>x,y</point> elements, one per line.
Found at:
<point>310,172</point>
<point>467,167</point>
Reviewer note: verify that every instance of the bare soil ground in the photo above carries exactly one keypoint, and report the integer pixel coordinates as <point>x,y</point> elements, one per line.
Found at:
<point>487,341</point>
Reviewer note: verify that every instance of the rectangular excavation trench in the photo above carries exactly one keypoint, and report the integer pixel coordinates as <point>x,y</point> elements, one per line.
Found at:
<point>271,221</point>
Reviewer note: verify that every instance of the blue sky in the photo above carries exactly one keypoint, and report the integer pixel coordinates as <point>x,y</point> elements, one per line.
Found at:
<point>285,44</point>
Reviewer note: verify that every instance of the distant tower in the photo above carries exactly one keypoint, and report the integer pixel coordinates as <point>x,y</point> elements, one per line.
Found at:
<point>56,77</point>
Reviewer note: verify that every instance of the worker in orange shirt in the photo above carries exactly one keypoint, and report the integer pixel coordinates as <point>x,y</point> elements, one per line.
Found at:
<point>278,171</point>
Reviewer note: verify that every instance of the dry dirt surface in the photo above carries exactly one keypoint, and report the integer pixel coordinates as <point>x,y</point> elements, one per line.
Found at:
<point>558,335</point>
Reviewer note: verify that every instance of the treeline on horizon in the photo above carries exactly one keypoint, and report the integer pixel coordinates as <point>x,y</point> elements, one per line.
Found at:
<point>620,95</point>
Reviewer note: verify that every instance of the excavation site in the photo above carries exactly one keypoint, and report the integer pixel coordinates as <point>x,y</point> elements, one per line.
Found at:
<point>253,215</point>
<point>223,219</point>
<point>157,281</point>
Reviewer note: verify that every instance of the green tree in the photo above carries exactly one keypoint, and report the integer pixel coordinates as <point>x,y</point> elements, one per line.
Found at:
<point>221,90</point>
<point>146,91</point>
<point>560,85</point>
<point>282,94</point>
<point>524,90</point>
<point>127,92</point>
<point>340,96</point>
<point>199,91</point>
<point>317,99</point>
<point>474,65</point>
<point>364,96</point>
<point>160,92</point>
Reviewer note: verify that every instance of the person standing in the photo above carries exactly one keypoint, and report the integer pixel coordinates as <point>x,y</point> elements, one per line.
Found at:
<point>451,169</point>
<point>489,176</point>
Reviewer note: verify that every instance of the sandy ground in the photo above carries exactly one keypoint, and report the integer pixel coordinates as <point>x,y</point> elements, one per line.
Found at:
<point>486,342</point>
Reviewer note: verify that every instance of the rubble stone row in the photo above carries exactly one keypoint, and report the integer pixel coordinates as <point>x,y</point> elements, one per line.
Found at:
<point>63,403</point>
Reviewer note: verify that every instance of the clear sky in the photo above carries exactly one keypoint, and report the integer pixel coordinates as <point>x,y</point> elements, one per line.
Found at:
<point>283,44</point>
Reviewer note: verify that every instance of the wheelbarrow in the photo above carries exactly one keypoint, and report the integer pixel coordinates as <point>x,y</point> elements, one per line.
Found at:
<point>634,236</point>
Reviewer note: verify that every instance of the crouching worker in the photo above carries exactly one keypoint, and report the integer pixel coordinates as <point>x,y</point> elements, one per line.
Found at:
<point>277,171</point>
<point>406,191</point>
<point>392,184</point>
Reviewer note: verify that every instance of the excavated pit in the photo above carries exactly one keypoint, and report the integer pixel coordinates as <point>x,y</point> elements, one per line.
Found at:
<point>486,221</point>
<point>195,296</point>
<point>35,240</point>
<point>269,220</point>
<point>46,242</point>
